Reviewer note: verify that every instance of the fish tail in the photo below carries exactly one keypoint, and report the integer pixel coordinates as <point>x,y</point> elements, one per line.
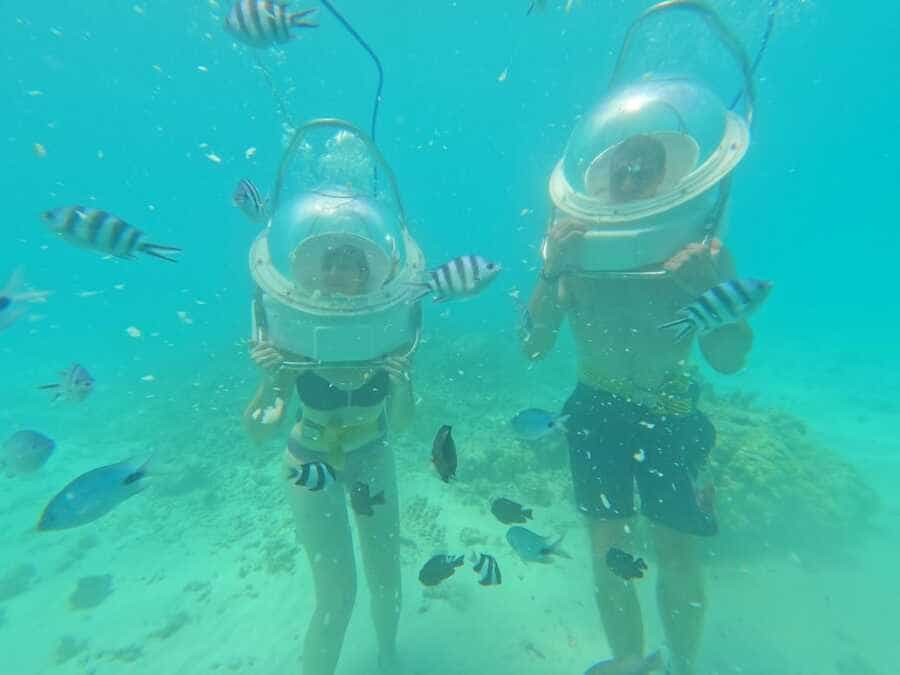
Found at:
<point>299,20</point>
<point>156,250</point>
<point>683,327</point>
<point>556,550</point>
<point>560,423</point>
<point>377,499</point>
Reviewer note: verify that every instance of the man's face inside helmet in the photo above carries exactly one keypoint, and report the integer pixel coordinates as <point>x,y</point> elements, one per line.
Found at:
<point>637,168</point>
<point>345,270</point>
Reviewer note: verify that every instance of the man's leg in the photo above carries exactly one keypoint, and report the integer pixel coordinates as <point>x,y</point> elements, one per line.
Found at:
<point>616,598</point>
<point>680,594</point>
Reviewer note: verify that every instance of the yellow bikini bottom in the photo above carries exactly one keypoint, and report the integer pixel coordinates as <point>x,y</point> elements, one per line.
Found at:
<point>336,441</point>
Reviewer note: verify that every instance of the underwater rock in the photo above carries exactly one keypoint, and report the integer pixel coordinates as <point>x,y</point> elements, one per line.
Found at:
<point>16,580</point>
<point>91,591</point>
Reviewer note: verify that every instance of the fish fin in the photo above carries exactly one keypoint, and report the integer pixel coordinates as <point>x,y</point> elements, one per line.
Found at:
<point>156,251</point>
<point>528,513</point>
<point>377,499</point>
<point>556,550</point>
<point>560,423</point>
<point>683,327</point>
<point>298,19</point>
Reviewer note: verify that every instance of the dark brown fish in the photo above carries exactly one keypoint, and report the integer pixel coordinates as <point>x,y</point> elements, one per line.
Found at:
<point>624,564</point>
<point>443,454</point>
<point>508,511</point>
<point>361,501</point>
<point>438,568</point>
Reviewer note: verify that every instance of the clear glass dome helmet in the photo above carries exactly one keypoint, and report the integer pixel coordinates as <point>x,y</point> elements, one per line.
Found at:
<point>646,170</point>
<point>334,266</point>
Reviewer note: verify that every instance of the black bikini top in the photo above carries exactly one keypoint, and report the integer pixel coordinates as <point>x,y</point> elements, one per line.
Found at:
<point>318,393</point>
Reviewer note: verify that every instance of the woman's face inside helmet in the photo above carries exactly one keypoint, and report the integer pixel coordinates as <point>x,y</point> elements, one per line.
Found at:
<point>345,270</point>
<point>637,168</point>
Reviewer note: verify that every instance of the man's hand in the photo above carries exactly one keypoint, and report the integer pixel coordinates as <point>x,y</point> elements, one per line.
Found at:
<point>397,368</point>
<point>266,356</point>
<point>562,237</point>
<point>697,265</point>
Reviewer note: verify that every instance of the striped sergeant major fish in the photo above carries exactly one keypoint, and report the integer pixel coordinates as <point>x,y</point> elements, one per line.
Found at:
<point>249,200</point>
<point>101,231</point>
<point>721,305</point>
<point>314,476</point>
<point>487,569</point>
<point>462,277</point>
<point>262,23</point>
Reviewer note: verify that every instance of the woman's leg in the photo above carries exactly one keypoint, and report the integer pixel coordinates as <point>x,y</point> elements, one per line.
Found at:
<point>379,540</point>
<point>323,530</point>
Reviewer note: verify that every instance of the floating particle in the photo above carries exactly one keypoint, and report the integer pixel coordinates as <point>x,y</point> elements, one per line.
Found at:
<point>184,317</point>
<point>88,294</point>
<point>133,331</point>
<point>119,287</point>
<point>35,92</point>
<point>524,212</point>
<point>100,154</point>
<point>203,69</point>
<point>214,158</point>
<point>250,152</point>
<point>502,76</point>
<point>138,9</point>
<point>39,150</point>
<point>148,378</point>
<point>639,456</point>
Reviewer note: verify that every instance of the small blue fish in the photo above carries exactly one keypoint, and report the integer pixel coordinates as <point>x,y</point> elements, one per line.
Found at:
<point>75,384</point>
<point>630,665</point>
<point>94,494</point>
<point>25,452</point>
<point>12,296</point>
<point>532,547</point>
<point>534,423</point>
<point>249,200</point>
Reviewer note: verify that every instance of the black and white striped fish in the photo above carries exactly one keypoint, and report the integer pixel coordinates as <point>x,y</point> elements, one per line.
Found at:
<point>722,304</point>
<point>462,277</point>
<point>249,200</point>
<point>103,232</point>
<point>262,23</point>
<point>313,476</point>
<point>487,569</point>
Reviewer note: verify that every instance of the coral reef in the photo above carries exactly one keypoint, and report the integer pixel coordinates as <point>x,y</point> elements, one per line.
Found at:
<point>777,487</point>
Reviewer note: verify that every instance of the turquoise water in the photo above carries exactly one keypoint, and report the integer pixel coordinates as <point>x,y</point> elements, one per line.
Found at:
<point>129,99</point>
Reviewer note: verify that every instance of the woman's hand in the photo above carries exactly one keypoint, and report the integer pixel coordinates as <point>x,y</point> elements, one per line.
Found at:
<point>266,356</point>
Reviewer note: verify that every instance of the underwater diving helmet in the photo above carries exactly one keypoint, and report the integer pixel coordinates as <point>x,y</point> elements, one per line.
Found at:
<point>671,132</point>
<point>336,203</point>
